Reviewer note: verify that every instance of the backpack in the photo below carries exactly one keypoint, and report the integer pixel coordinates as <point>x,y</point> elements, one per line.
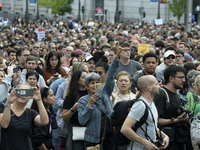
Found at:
<point>195,129</point>
<point>118,116</point>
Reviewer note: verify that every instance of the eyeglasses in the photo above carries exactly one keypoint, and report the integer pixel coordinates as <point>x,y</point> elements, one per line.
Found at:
<point>179,56</point>
<point>180,77</point>
<point>53,47</point>
<point>25,55</point>
<point>126,50</point>
<point>36,47</point>
<point>111,55</point>
<point>99,72</point>
<point>171,57</point>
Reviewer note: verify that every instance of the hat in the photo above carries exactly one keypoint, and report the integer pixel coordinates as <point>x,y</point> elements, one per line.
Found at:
<point>177,37</point>
<point>168,53</point>
<point>21,42</point>
<point>79,52</point>
<point>71,44</point>
<point>186,56</point>
<point>89,58</point>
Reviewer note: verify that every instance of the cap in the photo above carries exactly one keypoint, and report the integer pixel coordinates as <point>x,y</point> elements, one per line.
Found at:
<point>167,53</point>
<point>177,37</point>
<point>79,52</point>
<point>89,58</point>
<point>71,44</point>
<point>186,56</point>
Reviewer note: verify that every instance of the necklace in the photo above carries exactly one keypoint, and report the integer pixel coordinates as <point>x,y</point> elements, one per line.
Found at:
<point>119,96</point>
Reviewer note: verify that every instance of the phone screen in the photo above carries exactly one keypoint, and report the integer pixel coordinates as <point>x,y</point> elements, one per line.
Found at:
<point>98,86</point>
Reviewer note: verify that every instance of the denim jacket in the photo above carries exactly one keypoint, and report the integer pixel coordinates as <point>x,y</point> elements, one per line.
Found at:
<point>91,116</point>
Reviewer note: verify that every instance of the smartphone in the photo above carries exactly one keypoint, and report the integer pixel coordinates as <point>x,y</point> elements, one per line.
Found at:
<point>98,86</point>
<point>24,92</point>
<point>56,75</point>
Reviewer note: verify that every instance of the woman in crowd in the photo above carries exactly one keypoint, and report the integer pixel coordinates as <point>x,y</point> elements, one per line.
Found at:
<point>32,78</point>
<point>73,61</point>
<point>191,98</point>
<point>42,135</point>
<point>53,66</point>
<point>94,109</point>
<point>124,85</point>
<point>71,102</point>
<point>17,121</point>
<point>2,75</point>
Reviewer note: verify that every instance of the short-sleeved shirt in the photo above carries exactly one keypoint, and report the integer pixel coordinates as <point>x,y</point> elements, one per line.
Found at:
<point>69,103</point>
<point>136,113</point>
<point>18,134</point>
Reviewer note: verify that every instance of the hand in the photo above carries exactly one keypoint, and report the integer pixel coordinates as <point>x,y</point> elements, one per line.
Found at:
<point>150,146</point>
<point>119,49</point>
<point>36,93</point>
<point>10,70</point>
<point>52,78</point>
<point>17,77</point>
<point>93,98</point>
<point>12,97</point>
<point>165,142</point>
<point>75,106</point>
<point>181,118</point>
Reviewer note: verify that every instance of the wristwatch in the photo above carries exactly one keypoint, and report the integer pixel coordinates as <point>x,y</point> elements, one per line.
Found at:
<point>73,110</point>
<point>6,105</point>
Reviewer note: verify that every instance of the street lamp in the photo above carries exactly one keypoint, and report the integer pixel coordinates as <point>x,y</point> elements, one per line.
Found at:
<point>27,13</point>
<point>37,15</point>
<point>79,9</point>
<point>158,17</point>
<point>117,12</point>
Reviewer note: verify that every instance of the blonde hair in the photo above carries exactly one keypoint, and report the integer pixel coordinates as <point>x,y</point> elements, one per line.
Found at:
<point>197,80</point>
<point>122,73</point>
<point>76,66</point>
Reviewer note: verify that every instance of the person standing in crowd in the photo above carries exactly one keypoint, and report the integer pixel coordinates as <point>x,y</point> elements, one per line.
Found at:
<point>149,88</point>
<point>170,113</point>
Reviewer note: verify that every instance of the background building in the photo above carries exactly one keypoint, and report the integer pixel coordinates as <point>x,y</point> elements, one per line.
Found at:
<point>129,10</point>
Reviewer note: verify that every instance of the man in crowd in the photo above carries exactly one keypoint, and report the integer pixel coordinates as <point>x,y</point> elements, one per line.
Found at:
<point>11,55</point>
<point>91,61</point>
<point>149,88</point>
<point>179,57</point>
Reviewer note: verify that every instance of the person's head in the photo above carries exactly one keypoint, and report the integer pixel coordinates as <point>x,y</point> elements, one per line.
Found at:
<point>90,80</point>
<point>123,81</point>
<point>191,76</point>
<point>149,85</point>
<point>31,63</point>
<point>102,39</point>
<point>69,50</point>
<point>197,65</point>
<point>73,61</point>
<point>91,61</point>
<point>169,58</point>
<point>179,56</point>
<point>77,83</point>
<point>32,78</point>
<point>126,51</point>
<point>175,75</point>
<point>52,47</point>
<point>24,54</point>
<point>47,97</point>
<point>83,46</point>
<point>112,53</point>
<point>2,75</point>
<point>36,48</point>
<point>11,54</point>
<point>181,45</point>
<point>197,85</point>
<point>149,63</point>
<point>101,68</point>
<point>189,66</point>
<point>53,61</point>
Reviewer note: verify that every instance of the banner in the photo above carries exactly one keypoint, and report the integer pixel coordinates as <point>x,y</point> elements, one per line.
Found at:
<point>164,1</point>
<point>158,21</point>
<point>143,49</point>
<point>153,1</point>
<point>41,35</point>
<point>33,1</point>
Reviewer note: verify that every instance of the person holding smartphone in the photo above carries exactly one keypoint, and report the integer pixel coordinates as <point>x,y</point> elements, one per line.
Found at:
<point>95,108</point>
<point>53,69</point>
<point>17,121</point>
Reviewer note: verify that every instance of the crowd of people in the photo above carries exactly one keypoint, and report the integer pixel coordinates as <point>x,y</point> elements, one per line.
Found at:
<point>80,70</point>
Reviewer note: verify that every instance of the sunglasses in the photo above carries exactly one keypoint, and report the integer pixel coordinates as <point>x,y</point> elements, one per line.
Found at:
<point>99,72</point>
<point>171,57</point>
<point>36,47</point>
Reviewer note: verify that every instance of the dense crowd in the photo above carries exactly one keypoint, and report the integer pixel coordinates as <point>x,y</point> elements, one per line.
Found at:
<point>79,71</point>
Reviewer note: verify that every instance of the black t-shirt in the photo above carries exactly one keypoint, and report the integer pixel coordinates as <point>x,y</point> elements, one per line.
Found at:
<point>18,134</point>
<point>161,104</point>
<point>69,103</point>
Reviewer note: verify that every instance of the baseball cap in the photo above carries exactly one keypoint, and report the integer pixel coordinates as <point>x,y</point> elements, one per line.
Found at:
<point>168,53</point>
<point>79,52</point>
<point>177,37</point>
<point>71,44</point>
<point>89,58</point>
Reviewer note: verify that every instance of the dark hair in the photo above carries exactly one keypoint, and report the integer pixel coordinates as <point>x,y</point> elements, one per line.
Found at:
<point>30,73</point>
<point>102,64</point>
<point>180,51</point>
<point>170,47</point>
<point>137,58</point>
<point>150,54</point>
<point>48,65</point>
<point>189,66</point>
<point>160,43</point>
<point>133,54</point>
<point>172,71</point>
<point>11,50</point>
<point>31,58</point>
<point>125,45</point>
<point>44,92</point>
<point>73,88</point>
<point>71,61</point>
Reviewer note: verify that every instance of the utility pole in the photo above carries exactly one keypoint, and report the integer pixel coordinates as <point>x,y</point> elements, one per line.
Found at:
<point>189,15</point>
<point>26,13</point>
<point>37,15</point>
<point>158,17</point>
<point>79,9</point>
<point>117,12</point>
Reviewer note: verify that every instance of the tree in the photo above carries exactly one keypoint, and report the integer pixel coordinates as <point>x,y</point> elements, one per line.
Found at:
<point>59,7</point>
<point>177,7</point>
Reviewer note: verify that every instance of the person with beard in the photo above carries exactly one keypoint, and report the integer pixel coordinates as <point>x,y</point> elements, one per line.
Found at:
<point>149,64</point>
<point>68,57</point>
<point>169,112</point>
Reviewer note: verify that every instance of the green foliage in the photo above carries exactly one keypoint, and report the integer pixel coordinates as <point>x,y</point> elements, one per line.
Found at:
<point>177,7</point>
<point>59,7</point>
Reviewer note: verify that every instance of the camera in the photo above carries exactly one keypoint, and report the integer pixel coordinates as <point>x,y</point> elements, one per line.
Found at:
<point>24,92</point>
<point>56,75</point>
<point>158,144</point>
<point>182,109</point>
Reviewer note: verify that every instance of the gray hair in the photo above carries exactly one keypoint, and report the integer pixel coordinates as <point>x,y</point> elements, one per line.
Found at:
<point>91,77</point>
<point>191,77</point>
<point>70,47</point>
<point>102,38</point>
<point>22,83</point>
<point>82,43</point>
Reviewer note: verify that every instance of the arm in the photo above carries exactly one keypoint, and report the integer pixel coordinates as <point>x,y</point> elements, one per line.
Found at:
<point>165,138</point>
<point>67,113</point>
<point>60,94</point>
<point>130,134</point>
<point>42,147</point>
